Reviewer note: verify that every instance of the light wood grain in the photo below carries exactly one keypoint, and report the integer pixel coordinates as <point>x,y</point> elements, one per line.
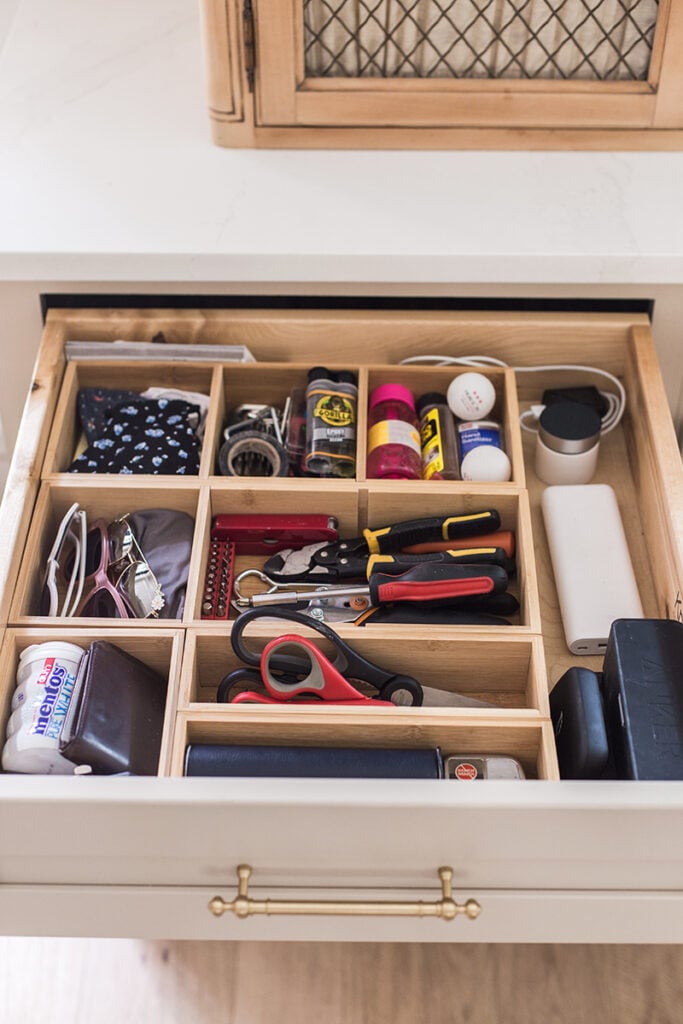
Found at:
<point>276,49</point>
<point>655,468</point>
<point>295,111</point>
<point>248,136</point>
<point>220,36</point>
<point>297,336</point>
<point>260,983</point>
<point>494,105</point>
<point>24,475</point>
<point>669,53</point>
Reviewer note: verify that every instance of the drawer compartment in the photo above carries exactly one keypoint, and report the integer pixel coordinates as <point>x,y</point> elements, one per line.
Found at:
<point>161,652</point>
<point>392,501</point>
<point>67,439</point>
<point>101,500</point>
<point>376,505</point>
<point>338,499</point>
<point>508,673</point>
<point>528,741</point>
<point>271,385</point>
<point>421,380</point>
<point>232,386</point>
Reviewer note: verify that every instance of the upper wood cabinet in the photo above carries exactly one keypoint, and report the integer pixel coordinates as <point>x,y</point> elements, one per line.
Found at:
<point>570,74</point>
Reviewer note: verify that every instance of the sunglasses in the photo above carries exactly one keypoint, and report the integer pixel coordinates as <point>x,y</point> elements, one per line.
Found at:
<point>117,581</point>
<point>69,545</point>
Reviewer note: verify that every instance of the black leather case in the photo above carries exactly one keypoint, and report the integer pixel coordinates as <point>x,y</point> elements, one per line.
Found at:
<point>117,722</point>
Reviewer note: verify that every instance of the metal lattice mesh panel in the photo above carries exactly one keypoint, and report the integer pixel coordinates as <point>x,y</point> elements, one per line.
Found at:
<point>601,40</point>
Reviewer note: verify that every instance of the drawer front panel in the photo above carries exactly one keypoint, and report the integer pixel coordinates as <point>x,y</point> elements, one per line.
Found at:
<point>323,832</point>
<point>182,913</point>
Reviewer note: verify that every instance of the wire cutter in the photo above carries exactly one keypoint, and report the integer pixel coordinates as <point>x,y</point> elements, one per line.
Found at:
<point>291,667</point>
<point>348,559</point>
<point>438,583</point>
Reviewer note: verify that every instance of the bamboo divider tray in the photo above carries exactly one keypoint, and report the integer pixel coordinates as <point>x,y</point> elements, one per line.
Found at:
<point>513,666</point>
<point>269,383</point>
<point>530,741</point>
<point>161,651</point>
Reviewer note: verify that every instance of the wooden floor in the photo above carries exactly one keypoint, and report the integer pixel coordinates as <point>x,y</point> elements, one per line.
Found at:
<point>83,981</point>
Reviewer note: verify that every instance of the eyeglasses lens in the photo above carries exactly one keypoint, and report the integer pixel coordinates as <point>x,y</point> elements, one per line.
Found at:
<point>101,605</point>
<point>93,555</point>
<point>122,543</point>
<point>140,589</point>
<point>93,552</point>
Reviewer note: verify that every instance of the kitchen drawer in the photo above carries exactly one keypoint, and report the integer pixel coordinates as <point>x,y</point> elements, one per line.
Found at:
<point>547,860</point>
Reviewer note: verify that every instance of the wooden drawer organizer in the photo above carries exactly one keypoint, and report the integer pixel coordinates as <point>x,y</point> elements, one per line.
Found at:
<point>511,667</point>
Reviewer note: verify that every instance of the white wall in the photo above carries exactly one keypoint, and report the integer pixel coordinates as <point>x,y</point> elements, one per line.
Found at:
<point>7,11</point>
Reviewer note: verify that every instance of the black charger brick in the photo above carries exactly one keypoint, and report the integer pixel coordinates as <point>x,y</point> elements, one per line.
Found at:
<point>587,395</point>
<point>643,695</point>
<point>579,725</point>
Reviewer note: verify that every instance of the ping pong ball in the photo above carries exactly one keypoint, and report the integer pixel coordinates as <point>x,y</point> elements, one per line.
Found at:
<point>471,396</point>
<point>486,463</point>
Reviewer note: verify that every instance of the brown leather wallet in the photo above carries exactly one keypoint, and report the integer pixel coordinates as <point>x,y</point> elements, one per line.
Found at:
<point>116,714</point>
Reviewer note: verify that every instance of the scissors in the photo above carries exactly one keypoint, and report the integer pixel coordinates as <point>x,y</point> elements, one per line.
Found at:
<point>291,666</point>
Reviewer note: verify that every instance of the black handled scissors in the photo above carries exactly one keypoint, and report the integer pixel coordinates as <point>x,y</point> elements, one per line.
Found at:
<point>290,669</point>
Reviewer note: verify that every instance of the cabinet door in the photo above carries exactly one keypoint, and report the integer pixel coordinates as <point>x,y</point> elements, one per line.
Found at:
<point>466,63</point>
<point>360,840</point>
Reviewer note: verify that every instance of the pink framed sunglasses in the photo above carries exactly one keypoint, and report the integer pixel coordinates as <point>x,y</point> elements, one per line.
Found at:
<point>118,580</point>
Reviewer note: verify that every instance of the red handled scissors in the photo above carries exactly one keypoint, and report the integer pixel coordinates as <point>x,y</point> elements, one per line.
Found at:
<point>291,667</point>
<point>322,682</point>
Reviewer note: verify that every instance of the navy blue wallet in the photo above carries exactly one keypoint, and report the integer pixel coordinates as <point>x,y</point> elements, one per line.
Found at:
<point>208,759</point>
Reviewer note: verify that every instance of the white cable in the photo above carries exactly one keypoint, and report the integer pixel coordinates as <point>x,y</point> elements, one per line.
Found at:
<point>455,360</point>
<point>524,416</point>
<point>614,413</point>
<point>616,403</point>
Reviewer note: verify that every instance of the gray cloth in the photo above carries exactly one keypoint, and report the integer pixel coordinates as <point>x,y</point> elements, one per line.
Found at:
<point>165,538</point>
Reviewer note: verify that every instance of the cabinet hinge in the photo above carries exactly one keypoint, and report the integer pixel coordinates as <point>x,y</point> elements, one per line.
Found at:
<point>249,43</point>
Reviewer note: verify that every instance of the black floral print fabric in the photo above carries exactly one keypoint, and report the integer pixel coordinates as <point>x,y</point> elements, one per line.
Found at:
<point>95,406</point>
<point>144,436</point>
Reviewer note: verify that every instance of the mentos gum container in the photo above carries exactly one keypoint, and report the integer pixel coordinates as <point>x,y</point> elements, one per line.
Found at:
<point>46,677</point>
<point>476,433</point>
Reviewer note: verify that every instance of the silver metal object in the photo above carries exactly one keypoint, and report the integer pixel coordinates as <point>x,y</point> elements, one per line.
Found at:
<point>291,593</point>
<point>326,604</point>
<point>162,352</point>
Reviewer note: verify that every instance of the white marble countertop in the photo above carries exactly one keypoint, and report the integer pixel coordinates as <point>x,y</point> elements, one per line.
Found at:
<point>107,172</point>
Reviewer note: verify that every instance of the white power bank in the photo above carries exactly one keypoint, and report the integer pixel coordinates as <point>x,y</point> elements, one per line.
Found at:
<point>591,562</point>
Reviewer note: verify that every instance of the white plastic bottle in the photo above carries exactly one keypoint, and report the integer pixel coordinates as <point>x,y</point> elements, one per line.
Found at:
<point>46,677</point>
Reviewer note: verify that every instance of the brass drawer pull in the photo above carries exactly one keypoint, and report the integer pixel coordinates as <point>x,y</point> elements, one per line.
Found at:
<point>446,908</point>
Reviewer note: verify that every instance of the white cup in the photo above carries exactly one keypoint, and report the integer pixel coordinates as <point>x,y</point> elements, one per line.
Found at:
<point>567,443</point>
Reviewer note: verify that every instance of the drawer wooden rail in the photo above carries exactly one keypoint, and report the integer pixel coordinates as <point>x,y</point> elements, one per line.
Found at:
<point>446,908</point>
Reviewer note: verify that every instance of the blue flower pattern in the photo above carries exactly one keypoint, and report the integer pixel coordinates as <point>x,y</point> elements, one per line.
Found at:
<point>144,436</point>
